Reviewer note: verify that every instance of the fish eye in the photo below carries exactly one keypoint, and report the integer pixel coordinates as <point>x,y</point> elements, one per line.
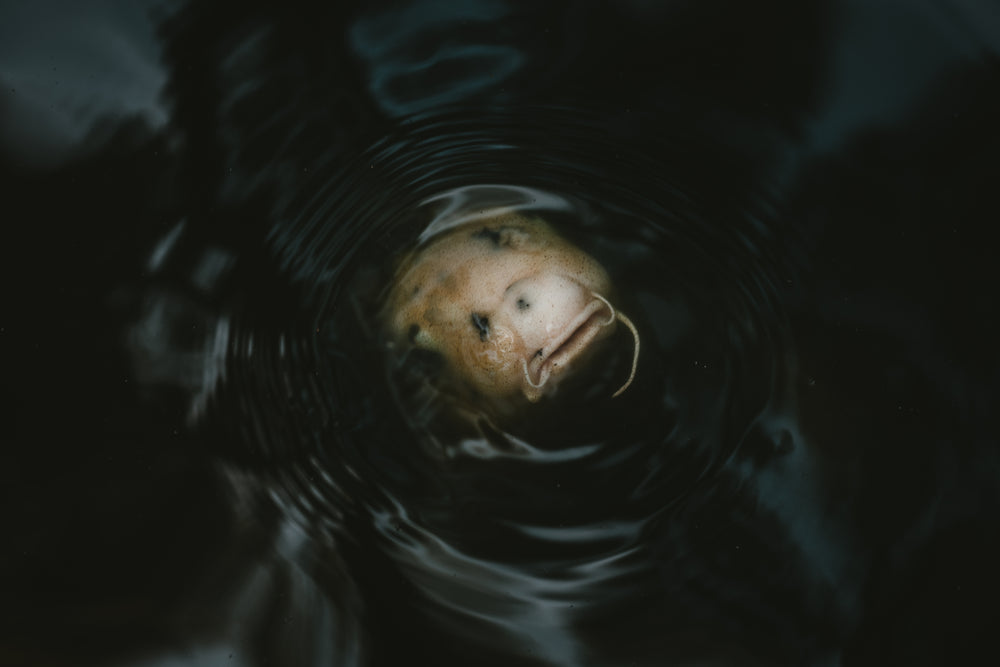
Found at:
<point>482,325</point>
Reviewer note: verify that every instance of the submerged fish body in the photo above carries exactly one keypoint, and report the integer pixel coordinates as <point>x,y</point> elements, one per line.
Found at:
<point>510,305</point>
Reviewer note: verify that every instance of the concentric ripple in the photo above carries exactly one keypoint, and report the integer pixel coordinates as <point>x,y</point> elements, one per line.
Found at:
<point>515,535</point>
<point>512,534</point>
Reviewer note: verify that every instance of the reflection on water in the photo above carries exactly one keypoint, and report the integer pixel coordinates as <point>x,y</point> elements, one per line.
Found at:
<point>410,72</point>
<point>64,68</point>
<point>214,457</point>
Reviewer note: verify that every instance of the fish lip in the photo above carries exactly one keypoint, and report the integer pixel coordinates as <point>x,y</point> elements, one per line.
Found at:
<point>588,322</point>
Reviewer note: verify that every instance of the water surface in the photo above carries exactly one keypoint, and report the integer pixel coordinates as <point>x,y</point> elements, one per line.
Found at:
<point>212,457</point>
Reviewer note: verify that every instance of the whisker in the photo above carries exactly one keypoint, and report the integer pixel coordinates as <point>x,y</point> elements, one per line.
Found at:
<point>635,357</point>
<point>527,376</point>
<point>610,307</point>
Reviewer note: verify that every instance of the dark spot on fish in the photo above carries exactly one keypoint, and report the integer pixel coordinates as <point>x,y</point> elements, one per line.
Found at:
<point>522,304</point>
<point>488,234</point>
<point>412,332</point>
<point>482,325</point>
<point>501,237</point>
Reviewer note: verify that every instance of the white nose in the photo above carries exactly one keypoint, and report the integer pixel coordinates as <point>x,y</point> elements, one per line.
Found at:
<point>541,306</point>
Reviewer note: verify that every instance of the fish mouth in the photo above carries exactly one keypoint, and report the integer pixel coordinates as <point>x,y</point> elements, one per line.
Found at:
<point>557,355</point>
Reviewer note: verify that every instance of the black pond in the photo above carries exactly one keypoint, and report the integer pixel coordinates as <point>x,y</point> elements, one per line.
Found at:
<point>208,457</point>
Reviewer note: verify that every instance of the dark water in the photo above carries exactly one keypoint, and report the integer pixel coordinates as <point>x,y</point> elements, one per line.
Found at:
<point>210,458</point>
